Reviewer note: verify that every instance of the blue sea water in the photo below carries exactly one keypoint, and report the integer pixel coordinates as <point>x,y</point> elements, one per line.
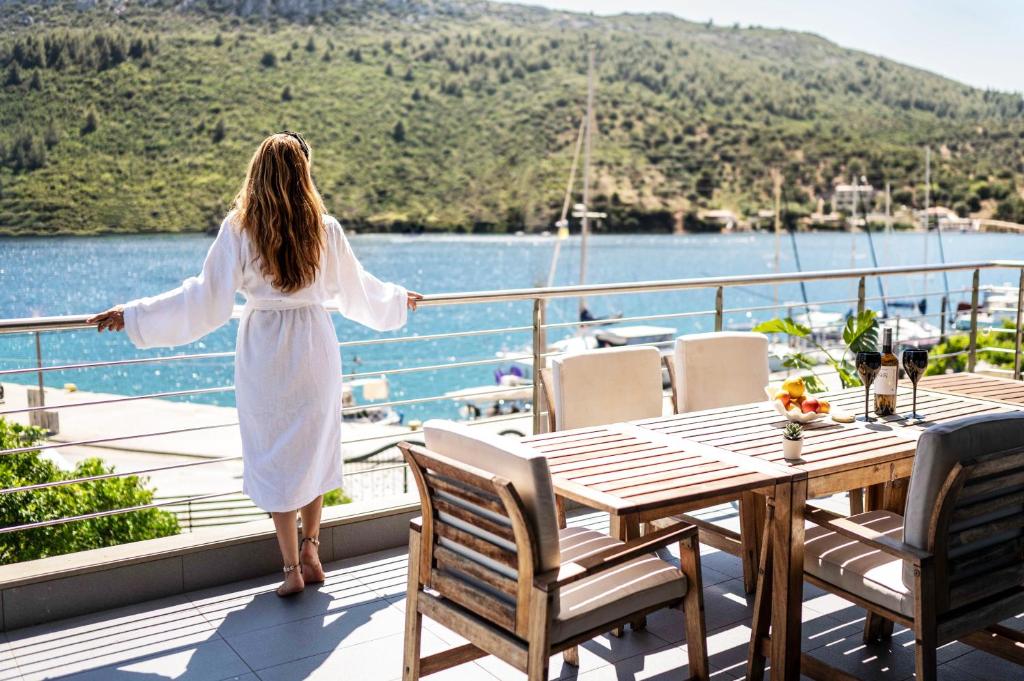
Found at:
<point>77,275</point>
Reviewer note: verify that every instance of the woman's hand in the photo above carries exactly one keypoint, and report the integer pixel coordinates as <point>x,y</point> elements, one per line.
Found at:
<point>412,299</point>
<point>111,320</point>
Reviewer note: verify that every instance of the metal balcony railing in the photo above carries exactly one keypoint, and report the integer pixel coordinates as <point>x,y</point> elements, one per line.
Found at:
<point>538,328</point>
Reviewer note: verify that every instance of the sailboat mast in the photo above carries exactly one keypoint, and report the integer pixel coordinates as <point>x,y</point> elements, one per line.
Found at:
<point>938,235</point>
<point>563,223</point>
<point>587,141</point>
<point>777,186</point>
<point>927,205</point>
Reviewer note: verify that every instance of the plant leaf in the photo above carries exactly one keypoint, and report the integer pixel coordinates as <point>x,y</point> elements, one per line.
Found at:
<point>813,384</point>
<point>786,326</point>
<point>861,332</point>
<point>798,360</point>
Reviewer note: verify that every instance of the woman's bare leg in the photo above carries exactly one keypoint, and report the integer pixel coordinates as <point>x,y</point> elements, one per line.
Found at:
<point>287,540</point>
<point>312,570</point>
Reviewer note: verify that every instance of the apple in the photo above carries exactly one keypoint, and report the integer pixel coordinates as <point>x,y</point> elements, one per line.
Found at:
<point>809,405</point>
<point>785,399</point>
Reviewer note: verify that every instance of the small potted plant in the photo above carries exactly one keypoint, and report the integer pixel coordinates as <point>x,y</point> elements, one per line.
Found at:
<point>792,441</point>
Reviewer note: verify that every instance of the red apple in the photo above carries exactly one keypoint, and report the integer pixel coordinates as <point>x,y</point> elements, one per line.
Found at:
<point>809,405</point>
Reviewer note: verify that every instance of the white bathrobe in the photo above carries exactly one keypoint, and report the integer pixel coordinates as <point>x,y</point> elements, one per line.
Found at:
<point>287,363</point>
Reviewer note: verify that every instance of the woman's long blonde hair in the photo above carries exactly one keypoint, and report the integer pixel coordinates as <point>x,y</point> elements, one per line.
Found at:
<point>282,211</point>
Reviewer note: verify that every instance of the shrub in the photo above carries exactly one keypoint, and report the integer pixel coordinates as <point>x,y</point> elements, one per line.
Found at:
<point>268,60</point>
<point>20,508</point>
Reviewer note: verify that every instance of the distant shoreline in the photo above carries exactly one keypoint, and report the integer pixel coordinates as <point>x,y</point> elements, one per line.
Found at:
<point>102,232</point>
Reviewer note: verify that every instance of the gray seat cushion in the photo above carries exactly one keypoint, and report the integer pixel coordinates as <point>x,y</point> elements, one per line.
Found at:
<point>873,575</point>
<point>940,448</point>
<point>613,594</point>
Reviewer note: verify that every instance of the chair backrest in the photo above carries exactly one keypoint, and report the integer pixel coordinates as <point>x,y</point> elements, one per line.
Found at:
<point>489,521</point>
<point>597,387</point>
<point>966,506</point>
<point>720,369</point>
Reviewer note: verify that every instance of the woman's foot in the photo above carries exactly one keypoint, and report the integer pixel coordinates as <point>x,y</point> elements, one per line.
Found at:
<point>293,582</point>
<point>312,570</point>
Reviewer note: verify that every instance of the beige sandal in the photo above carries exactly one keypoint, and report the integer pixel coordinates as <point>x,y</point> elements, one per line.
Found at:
<point>315,574</point>
<point>288,569</point>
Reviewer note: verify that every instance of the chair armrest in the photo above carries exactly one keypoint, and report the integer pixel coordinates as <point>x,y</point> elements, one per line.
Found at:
<point>876,540</point>
<point>416,524</point>
<point>613,556</point>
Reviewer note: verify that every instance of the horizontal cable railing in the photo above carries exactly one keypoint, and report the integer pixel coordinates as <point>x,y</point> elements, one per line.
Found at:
<point>386,470</point>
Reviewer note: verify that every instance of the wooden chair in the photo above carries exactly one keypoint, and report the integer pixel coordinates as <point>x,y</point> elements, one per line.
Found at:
<point>953,568</point>
<point>488,561</point>
<point>722,369</point>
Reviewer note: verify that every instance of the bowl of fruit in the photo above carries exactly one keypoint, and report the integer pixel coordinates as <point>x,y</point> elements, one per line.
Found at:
<point>790,399</point>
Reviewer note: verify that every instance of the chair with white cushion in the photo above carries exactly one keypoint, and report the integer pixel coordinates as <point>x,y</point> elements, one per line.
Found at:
<point>488,561</point>
<point>597,387</point>
<point>723,369</point>
<point>953,567</point>
<point>719,369</point>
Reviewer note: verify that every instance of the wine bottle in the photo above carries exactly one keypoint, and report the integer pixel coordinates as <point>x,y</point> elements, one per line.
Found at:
<point>885,383</point>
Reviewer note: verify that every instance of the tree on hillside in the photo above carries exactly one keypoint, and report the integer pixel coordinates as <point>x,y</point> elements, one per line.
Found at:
<point>388,71</point>
<point>91,122</point>
<point>286,94</point>
<point>268,60</point>
<point>53,503</point>
<point>52,135</point>
<point>310,45</point>
<point>398,132</point>
<point>13,75</point>
<point>408,77</point>
<point>219,131</point>
<point>218,40</point>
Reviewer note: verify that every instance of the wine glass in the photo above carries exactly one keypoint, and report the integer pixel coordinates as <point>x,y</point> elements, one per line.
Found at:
<point>868,364</point>
<point>915,361</point>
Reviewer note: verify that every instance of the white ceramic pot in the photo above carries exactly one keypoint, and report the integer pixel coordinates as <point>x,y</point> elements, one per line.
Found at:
<point>791,448</point>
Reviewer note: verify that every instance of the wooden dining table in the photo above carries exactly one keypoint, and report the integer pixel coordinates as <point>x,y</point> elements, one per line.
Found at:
<point>651,469</point>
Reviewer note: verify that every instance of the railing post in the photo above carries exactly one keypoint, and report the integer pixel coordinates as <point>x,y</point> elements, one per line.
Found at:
<point>719,296</point>
<point>942,320</point>
<point>972,350</point>
<point>1020,327</point>
<point>860,296</point>
<point>538,361</point>
<point>39,363</point>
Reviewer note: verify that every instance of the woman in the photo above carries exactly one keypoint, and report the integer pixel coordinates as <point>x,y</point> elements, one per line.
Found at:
<point>290,259</point>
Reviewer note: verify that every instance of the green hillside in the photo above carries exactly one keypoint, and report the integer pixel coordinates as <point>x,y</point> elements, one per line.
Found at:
<point>441,114</point>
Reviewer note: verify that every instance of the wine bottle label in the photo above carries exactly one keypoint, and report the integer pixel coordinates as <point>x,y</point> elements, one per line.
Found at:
<point>885,383</point>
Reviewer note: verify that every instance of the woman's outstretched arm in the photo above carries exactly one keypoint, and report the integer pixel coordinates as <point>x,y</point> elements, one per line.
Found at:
<point>359,295</point>
<point>189,312</point>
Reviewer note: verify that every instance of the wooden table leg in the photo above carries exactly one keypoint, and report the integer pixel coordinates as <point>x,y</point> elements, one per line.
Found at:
<point>762,603</point>
<point>624,528</point>
<point>788,578</point>
<point>751,527</point>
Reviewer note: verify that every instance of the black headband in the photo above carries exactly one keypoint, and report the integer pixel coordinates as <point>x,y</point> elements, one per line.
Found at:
<point>298,137</point>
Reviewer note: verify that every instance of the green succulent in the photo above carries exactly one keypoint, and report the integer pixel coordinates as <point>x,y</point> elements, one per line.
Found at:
<point>793,431</point>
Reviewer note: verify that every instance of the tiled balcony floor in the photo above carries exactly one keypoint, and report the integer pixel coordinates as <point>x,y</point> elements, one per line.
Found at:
<point>351,628</point>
